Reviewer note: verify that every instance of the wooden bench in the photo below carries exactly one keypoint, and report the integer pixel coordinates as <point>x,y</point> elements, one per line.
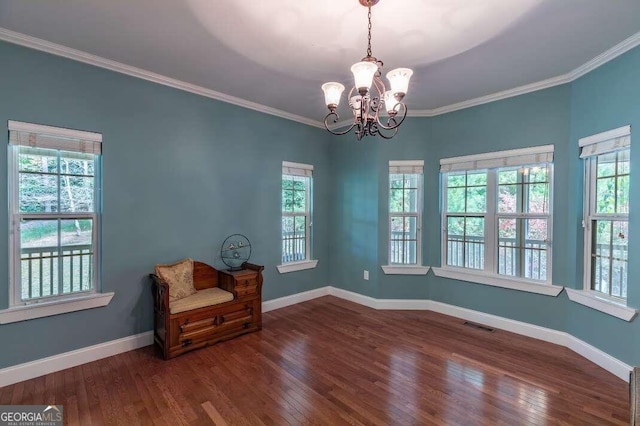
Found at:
<point>179,329</point>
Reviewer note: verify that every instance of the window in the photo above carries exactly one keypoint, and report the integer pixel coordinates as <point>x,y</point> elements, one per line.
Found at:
<point>405,212</point>
<point>465,218</point>
<point>54,188</point>
<point>606,212</point>
<point>496,216</point>
<point>523,221</point>
<point>297,217</point>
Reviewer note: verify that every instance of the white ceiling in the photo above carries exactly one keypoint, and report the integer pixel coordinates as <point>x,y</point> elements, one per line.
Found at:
<point>277,53</point>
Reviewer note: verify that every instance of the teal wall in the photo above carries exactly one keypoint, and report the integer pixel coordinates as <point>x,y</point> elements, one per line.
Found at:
<point>601,100</point>
<point>180,173</point>
<point>539,118</point>
<point>607,98</point>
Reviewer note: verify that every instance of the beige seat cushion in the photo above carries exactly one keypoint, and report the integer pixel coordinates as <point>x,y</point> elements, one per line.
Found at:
<point>202,298</point>
<point>179,277</point>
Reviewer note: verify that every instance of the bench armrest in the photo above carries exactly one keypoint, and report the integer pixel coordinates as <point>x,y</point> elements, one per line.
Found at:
<point>160,290</point>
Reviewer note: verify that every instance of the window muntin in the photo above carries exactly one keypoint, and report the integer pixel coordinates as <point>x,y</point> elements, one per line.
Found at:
<point>497,213</point>
<point>296,213</point>
<point>606,223</point>
<point>54,198</point>
<point>405,212</point>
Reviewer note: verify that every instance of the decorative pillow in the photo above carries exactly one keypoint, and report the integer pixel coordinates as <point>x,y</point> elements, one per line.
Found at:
<point>179,277</point>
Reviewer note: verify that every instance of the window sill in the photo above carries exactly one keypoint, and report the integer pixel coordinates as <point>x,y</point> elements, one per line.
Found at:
<point>56,307</point>
<point>297,266</point>
<point>492,280</point>
<point>602,304</point>
<point>405,270</point>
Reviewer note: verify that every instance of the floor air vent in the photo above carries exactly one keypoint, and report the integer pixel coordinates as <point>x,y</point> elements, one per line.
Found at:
<point>479,326</point>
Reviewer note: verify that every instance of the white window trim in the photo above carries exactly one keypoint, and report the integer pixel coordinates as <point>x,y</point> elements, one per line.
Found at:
<point>19,310</point>
<point>305,170</point>
<point>61,132</point>
<point>598,144</point>
<point>492,161</point>
<point>407,167</point>
<point>296,266</point>
<point>594,300</point>
<point>55,307</point>
<point>397,269</point>
<point>498,281</point>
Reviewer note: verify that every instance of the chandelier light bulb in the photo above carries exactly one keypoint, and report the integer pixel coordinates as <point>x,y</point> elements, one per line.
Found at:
<point>399,81</point>
<point>390,102</point>
<point>332,93</point>
<point>363,73</point>
<point>356,105</point>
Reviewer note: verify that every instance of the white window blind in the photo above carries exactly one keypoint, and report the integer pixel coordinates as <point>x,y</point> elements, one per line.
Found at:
<point>611,140</point>
<point>47,137</point>
<point>296,169</point>
<point>490,160</point>
<point>409,166</point>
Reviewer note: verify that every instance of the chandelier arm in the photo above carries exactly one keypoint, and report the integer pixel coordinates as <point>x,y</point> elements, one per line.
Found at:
<point>377,101</point>
<point>335,120</point>
<point>387,137</point>
<point>393,120</point>
<point>379,85</point>
<point>377,131</point>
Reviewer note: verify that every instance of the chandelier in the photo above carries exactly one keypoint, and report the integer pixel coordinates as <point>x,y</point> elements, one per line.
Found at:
<point>369,103</point>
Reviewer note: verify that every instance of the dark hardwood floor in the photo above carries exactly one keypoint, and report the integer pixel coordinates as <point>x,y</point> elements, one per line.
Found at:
<point>329,361</point>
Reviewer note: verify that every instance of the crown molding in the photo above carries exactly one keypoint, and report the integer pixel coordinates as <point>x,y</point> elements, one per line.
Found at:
<point>98,61</point>
<point>87,58</point>
<point>517,91</point>
<point>603,58</point>
<point>596,62</point>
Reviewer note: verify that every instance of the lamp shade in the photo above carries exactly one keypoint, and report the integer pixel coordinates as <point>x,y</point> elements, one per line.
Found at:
<point>332,93</point>
<point>399,80</point>
<point>390,101</point>
<point>363,74</point>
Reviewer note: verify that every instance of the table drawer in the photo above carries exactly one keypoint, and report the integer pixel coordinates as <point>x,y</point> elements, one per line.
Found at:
<point>246,290</point>
<point>246,282</point>
<point>235,318</point>
<point>189,326</point>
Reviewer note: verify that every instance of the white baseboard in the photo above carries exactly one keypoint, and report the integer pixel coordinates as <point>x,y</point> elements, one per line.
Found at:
<point>30,370</point>
<point>40,367</point>
<point>396,304</point>
<point>361,299</point>
<point>281,302</point>
<point>599,357</point>
<point>358,298</point>
<point>518,327</point>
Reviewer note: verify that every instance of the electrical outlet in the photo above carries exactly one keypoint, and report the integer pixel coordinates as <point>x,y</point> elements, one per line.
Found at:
<point>366,275</point>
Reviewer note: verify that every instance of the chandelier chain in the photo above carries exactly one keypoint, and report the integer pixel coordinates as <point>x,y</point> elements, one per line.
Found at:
<point>369,54</point>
